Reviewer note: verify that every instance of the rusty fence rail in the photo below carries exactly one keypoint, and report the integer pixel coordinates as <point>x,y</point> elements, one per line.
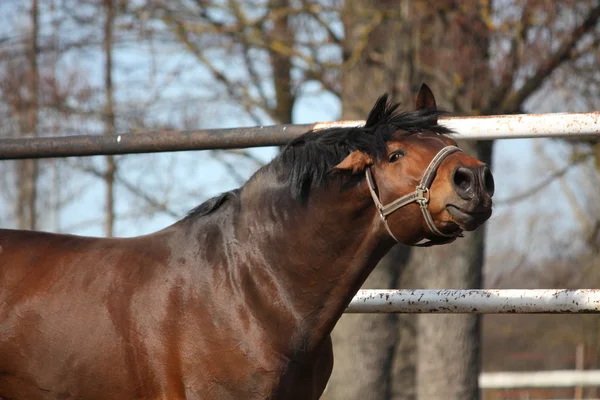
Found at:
<point>491,301</point>
<point>563,125</point>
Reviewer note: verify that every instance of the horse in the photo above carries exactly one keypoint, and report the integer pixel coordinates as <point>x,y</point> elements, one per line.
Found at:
<point>237,299</point>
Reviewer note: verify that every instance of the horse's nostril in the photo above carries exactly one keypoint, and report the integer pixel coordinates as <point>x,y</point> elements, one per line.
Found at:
<point>488,180</point>
<point>463,182</point>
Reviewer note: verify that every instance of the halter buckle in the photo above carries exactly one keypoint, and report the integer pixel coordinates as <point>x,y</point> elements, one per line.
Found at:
<point>422,196</point>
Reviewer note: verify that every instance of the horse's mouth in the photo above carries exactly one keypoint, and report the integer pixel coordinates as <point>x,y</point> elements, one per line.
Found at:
<point>468,220</point>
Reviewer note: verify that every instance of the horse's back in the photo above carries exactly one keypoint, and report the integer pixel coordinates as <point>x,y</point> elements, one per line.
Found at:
<point>75,308</point>
<point>42,265</point>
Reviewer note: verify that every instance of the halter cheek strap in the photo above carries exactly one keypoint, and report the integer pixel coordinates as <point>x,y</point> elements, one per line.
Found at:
<point>420,196</point>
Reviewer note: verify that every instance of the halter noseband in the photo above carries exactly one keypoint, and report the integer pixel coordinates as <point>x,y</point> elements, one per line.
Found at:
<point>420,195</point>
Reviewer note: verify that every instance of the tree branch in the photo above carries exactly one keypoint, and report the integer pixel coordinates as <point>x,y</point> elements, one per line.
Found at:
<point>181,33</point>
<point>314,11</point>
<point>154,203</point>
<point>515,59</point>
<point>543,184</point>
<point>228,166</point>
<point>512,102</point>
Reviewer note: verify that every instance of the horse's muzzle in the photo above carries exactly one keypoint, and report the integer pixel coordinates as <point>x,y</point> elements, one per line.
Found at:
<point>475,188</point>
<point>470,182</point>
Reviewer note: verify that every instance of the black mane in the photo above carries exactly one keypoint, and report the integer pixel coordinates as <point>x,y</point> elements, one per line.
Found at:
<point>308,159</point>
<point>212,204</point>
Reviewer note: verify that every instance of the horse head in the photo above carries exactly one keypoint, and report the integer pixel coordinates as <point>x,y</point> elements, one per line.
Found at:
<point>422,168</point>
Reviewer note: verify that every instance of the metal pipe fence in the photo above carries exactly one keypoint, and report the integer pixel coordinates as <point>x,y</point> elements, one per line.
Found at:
<point>470,301</point>
<point>563,125</point>
<point>539,379</point>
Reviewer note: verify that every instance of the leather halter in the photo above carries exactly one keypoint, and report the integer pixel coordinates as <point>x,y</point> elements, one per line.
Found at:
<point>420,196</point>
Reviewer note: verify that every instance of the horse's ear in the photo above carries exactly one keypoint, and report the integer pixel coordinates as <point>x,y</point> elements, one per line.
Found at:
<point>356,162</point>
<point>425,99</point>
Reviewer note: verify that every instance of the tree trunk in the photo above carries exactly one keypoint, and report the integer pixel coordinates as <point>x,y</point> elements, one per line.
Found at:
<point>28,170</point>
<point>281,36</point>
<point>109,115</point>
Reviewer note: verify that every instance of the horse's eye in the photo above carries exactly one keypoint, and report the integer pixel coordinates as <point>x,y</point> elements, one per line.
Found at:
<point>395,156</point>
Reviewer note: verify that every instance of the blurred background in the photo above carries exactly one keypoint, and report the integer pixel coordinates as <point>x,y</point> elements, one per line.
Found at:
<point>100,67</point>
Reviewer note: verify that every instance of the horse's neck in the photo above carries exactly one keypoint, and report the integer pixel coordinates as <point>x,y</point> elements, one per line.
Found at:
<point>315,257</point>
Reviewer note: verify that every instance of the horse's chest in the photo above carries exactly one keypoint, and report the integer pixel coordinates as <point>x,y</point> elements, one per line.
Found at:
<point>259,383</point>
<point>235,375</point>
<point>308,381</point>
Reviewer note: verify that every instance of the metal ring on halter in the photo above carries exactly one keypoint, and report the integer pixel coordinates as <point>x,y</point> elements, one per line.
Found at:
<point>421,196</point>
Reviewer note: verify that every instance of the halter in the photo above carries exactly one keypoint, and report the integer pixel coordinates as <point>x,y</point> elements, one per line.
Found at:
<point>420,195</point>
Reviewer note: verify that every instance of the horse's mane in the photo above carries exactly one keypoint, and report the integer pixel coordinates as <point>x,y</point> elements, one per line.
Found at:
<point>212,204</point>
<point>307,160</point>
<point>311,157</point>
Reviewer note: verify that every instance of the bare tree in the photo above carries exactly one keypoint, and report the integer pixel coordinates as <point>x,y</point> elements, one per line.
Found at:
<point>109,116</point>
<point>28,169</point>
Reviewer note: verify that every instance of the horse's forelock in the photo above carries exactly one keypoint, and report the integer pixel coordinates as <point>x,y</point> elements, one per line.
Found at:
<point>381,112</point>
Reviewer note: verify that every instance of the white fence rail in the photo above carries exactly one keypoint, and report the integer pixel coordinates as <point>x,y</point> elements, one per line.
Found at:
<point>564,125</point>
<point>509,301</point>
<point>539,379</point>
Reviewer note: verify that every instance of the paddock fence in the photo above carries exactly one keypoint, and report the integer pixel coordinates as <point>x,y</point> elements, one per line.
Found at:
<point>555,125</point>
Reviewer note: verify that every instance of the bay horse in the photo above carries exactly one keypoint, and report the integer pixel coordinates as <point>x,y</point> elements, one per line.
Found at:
<point>238,299</point>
